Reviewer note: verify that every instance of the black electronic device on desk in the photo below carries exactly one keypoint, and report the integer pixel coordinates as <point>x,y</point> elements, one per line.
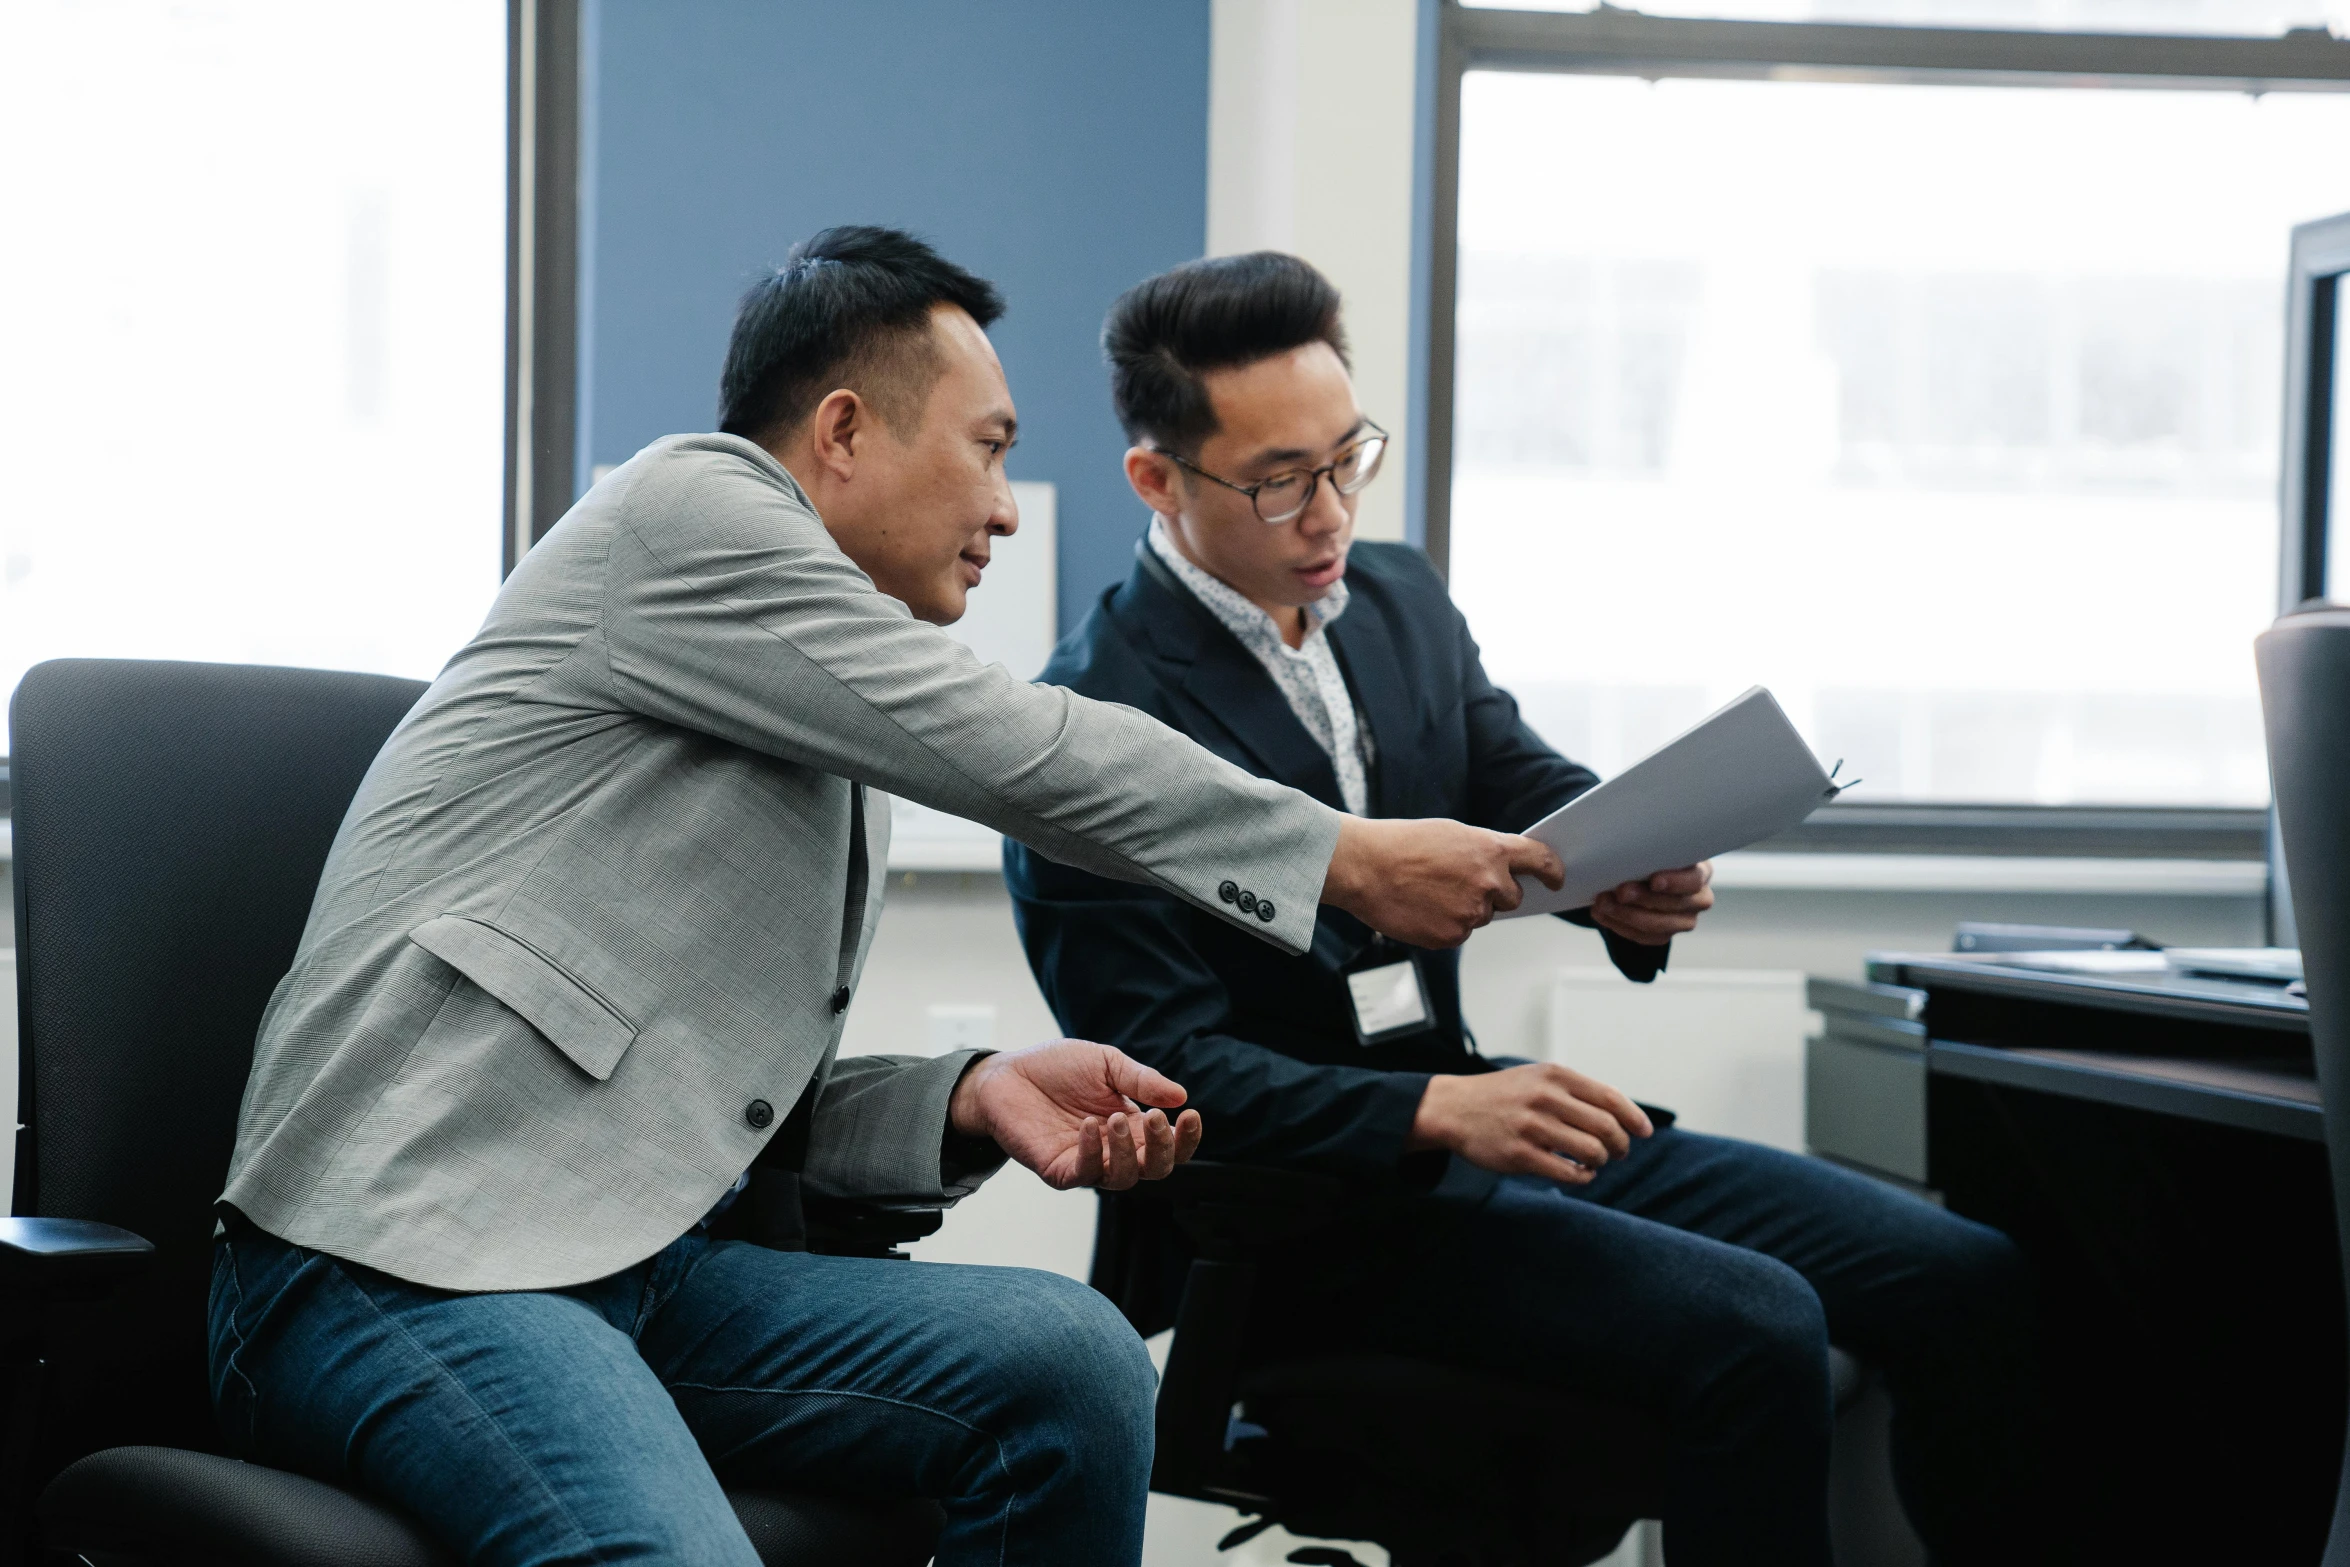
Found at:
<point>2149,1133</point>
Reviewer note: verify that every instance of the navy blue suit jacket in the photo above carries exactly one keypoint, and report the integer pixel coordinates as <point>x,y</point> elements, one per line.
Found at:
<point>1265,1042</point>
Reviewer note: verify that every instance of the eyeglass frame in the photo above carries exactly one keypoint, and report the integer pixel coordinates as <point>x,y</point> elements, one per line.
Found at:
<point>1314,476</point>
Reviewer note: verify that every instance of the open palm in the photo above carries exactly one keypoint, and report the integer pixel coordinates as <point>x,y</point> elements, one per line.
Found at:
<point>1078,1114</point>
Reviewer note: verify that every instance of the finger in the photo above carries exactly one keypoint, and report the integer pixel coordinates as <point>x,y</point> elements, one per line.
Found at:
<point>1528,857</point>
<point>1631,926</point>
<point>1648,926</point>
<point>1505,895</point>
<point>1601,1123</point>
<point>1539,1161</point>
<point>1670,902</point>
<point>1158,1146</point>
<point>1120,1168</point>
<point>1557,1137</point>
<point>1613,1100</point>
<point>1089,1153</point>
<point>1685,880</point>
<point>1648,914</point>
<point>1140,1083</point>
<point>1188,1130</point>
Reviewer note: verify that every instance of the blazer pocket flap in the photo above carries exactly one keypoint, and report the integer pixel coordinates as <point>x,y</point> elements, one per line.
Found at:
<point>580,1023</point>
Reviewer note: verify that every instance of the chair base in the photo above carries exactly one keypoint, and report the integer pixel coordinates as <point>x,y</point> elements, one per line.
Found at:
<point>1444,1468</point>
<point>1448,1468</point>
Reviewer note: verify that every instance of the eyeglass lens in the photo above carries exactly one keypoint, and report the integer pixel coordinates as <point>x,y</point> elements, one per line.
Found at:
<point>1285,495</point>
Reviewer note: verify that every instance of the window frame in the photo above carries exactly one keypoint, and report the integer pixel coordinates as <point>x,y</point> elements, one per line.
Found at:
<point>1612,42</point>
<point>545,58</point>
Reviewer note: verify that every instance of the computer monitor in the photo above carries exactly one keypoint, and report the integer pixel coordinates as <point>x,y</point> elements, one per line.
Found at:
<point>2314,488</point>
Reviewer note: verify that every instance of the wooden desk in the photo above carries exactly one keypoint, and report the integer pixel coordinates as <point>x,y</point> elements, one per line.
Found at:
<point>2154,1145</point>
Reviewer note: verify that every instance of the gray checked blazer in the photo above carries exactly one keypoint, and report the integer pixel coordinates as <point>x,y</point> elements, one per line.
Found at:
<point>593,921</point>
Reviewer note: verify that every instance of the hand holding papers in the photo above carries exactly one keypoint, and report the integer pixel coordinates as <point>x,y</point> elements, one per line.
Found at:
<point>1742,774</point>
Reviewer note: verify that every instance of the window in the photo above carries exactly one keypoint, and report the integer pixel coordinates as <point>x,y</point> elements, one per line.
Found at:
<point>2250,18</point>
<point>1945,407</point>
<point>252,325</point>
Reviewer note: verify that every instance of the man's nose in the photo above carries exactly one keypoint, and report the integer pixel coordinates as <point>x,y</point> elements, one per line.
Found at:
<point>1004,520</point>
<point>1326,512</point>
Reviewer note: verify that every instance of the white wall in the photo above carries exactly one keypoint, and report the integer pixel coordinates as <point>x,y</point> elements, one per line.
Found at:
<point>1310,151</point>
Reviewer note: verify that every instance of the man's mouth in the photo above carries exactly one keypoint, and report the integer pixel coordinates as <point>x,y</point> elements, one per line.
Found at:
<point>973,565</point>
<point>1322,573</point>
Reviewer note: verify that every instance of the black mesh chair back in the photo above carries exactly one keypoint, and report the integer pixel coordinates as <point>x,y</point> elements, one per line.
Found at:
<point>2305,696</point>
<point>171,823</point>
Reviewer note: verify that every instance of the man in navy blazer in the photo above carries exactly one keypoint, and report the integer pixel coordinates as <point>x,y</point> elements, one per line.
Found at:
<point>1514,1217</point>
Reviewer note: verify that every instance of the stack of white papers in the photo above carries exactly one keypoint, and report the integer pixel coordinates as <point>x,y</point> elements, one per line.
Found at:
<point>1740,775</point>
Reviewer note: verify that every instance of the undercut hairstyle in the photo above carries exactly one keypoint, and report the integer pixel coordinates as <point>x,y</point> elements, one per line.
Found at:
<point>849,308</point>
<point>1165,332</point>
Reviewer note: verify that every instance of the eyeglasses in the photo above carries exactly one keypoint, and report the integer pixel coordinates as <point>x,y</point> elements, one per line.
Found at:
<point>1285,496</point>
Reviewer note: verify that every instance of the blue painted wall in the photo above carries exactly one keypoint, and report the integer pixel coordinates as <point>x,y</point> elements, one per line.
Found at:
<point>1058,147</point>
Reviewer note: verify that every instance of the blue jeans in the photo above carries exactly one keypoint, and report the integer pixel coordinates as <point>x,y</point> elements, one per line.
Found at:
<point>597,1423</point>
<point>1702,1279</point>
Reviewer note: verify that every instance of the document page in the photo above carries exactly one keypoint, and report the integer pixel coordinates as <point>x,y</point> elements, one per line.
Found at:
<point>1742,774</point>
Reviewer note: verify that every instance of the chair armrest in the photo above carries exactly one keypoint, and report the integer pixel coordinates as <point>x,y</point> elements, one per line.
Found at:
<point>68,1258</point>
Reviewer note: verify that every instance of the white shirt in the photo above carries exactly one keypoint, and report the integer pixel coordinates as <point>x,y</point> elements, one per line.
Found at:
<point>1307,676</point>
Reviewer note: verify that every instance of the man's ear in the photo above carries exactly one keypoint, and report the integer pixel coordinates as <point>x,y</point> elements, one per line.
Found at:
<point>1152,477</point>
<point>835,430</point>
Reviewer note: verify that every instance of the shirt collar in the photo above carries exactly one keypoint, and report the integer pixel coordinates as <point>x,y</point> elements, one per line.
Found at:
<point>1242,618</point>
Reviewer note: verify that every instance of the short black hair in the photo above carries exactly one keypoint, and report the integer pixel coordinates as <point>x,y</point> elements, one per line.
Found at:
<point>848,307</point>
<point>1218,314</point>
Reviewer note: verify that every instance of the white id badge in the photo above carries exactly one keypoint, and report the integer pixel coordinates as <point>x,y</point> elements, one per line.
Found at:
<point>1388,1001</point>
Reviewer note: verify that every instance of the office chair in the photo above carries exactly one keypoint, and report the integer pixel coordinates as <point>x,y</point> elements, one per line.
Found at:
<point>171,821</point>
<point>1443,1467</point>
<point>2304,662</point>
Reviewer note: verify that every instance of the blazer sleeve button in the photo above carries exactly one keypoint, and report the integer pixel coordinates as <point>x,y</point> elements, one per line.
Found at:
<point>840,999</point>
<point>1265,910</point>
<point>1229,892</point>
<point>760,1114</point>
<point>1247,902</point>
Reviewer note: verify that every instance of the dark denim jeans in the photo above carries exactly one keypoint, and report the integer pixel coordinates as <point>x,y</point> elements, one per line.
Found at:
<point>1702,1279</point>
<point>595,1424</point>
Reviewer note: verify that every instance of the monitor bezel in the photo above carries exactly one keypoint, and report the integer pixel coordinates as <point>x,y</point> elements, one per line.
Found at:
<point>2321,254</point>
<point>2313,301</point>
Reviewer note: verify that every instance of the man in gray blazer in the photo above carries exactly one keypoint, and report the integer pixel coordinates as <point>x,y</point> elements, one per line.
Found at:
<point>580,960</point>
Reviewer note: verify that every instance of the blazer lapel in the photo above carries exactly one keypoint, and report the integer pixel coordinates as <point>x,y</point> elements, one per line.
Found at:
<point>1366,651</point>
<point>1224,681</point>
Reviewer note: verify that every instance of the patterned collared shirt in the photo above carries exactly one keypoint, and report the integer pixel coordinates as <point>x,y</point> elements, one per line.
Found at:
<point>1307,676</point>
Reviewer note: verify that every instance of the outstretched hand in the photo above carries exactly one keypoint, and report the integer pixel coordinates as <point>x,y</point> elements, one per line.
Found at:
<point>1077,1113</point>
